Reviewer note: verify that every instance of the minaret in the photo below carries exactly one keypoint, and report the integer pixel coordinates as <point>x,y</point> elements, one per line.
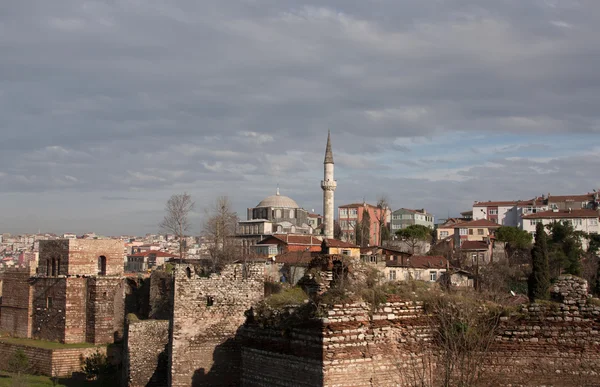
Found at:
<point>328,185</point>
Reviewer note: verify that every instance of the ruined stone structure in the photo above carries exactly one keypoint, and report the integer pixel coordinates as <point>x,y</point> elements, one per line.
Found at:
<point>145,363</point>
<point>208,309</point>
<point>212,343</point>
<point>75,297</point>
<point>16,307</point>
<point>328,185</point>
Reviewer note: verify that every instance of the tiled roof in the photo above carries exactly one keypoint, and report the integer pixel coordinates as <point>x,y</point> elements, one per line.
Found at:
<point>153,252</point>
<point>570,198</point>
<point>510,203</point>
<point>420,262</point>
<point>291,239</point>
<point>477,223</point>
<point>562,214</point>
<point>354,205</point>
<point>474,245</point>
<point>294,257</point>
<point>338,243</point>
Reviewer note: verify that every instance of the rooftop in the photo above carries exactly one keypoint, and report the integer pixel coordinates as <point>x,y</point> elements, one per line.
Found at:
<point>583,213</point>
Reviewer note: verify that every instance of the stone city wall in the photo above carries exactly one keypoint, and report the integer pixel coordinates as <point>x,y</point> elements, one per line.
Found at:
<point>17,296</point>
<point>208,309</point>
<point>48,362</point>
<point>541,344</point>
<point>145,358</point>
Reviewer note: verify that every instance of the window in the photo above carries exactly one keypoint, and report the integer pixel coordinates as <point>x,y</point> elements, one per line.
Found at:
<point>533,222</point>
<point>479,231</point>
<point>463,231</point>
<point>470,231</point>
<point>392,275</point>
<point>49,302</point>
<point>493,212</point>
<point>102,265</point>
<point>443,234</point>
<point>373,258</point>
<point>433,276</point>
<point>210,300</point>
<point>474,257</point>
<point>345,252</point>
<point>343,212</point>
<point>593,222</point>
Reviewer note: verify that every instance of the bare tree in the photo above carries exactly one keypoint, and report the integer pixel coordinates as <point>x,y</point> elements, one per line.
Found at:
<point>219,228</point>
<point>176,220</point>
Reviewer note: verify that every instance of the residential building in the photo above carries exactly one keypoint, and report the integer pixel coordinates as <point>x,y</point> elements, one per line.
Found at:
<point>405,217</point>
<point>349,215</point>
<point>147,260</point>
<point>335,246</point>
<point>585,220</point>
<point>474,253</point>
<point>446,229</point>
<point>421,268</point>
<point>292,242</point>
<point>475,230</point>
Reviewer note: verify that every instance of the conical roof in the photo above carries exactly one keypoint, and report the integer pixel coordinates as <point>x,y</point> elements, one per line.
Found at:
<point>328,152</point>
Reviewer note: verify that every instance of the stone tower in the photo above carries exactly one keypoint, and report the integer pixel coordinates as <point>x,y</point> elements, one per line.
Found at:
<point>328,185</point>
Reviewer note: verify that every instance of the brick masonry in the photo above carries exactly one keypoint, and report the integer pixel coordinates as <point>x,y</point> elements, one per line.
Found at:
<point>49,362</point>
<point>16,309</point>
<point>145,358</point>
<point>207,312</point>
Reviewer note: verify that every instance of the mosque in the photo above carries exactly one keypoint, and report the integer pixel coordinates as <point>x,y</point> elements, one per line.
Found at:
<point>279,214</point>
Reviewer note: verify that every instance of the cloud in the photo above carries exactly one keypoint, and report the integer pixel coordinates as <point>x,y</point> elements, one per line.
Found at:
<point>422,102</point>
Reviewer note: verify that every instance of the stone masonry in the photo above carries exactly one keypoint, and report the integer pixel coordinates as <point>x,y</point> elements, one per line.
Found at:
<point>208,309</point>
<point>15,318</point>
<point>145,360</point>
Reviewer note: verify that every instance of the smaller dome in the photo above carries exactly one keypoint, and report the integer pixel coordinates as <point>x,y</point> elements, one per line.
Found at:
<point>278,201</point>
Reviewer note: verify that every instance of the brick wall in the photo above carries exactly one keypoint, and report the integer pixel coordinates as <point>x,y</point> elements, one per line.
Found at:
<point>50,309</point>
<point>81,256</point>
<point>549,344</point>
<point>17,294</point>
<point>104,309</point>
<point>49,362</point>
<point>145,359</point>
<point>207,311</point>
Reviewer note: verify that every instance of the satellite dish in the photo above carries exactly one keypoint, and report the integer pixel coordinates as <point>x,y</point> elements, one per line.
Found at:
<point>513,293</point>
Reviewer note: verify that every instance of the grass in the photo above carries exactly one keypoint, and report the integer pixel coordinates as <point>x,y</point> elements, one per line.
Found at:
<point>9,380</point>
<point>43,343</point>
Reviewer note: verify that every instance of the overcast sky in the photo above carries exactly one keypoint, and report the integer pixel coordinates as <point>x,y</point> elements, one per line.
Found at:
<point>109,107</point>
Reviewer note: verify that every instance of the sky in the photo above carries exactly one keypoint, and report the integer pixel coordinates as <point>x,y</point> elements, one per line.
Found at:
<point>107,108</point>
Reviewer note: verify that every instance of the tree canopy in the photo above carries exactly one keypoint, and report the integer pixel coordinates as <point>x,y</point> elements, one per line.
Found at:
<point>413,235</point>
<point>564,248</point>
<point>515,237</point>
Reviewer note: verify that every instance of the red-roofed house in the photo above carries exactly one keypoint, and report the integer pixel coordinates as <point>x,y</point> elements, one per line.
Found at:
<point>507,213</point>
<point>335,246</point>
<point>416,267</point>
<point>475,253</point>
<point>293,242</point>
<point>475,230</point>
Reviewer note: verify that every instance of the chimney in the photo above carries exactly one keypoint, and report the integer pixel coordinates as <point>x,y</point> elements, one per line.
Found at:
<point>569,210</point>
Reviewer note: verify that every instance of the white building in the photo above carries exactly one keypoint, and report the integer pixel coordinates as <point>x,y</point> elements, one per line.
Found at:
<point>508,213</point>
<point>581,219</point>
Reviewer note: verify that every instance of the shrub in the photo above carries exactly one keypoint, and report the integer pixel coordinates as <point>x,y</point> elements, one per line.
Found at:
<point>97,367</point>
<point>18,362</point>
<point>288,297</point>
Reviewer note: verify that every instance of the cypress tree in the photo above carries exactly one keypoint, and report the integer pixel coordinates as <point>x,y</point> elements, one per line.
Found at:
<point>539,280</point>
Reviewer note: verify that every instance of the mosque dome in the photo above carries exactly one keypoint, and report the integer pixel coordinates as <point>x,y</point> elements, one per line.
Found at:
<point>278,201</point>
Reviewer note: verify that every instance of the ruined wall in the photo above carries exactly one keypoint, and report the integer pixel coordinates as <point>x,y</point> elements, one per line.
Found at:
<point>541,344</point>
<point>50,309</point>
<point>17,295</point>
<point>161,295</point>
<point>49,362</point>
<point>145,360</point>
<point>104,309</point>
<point>81,256</point>
<point>78,309</point>
<point>207,311</point>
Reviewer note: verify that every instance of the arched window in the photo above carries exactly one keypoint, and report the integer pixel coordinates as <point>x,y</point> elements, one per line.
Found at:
<point>278,214</point>
<point>53,267</point>
<point>291,214</point>
<point>102,265</point>
<point>188,272</point>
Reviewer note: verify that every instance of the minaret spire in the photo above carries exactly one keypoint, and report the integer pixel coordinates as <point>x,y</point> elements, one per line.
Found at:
<point>328,185</point>
<point>328,152</point>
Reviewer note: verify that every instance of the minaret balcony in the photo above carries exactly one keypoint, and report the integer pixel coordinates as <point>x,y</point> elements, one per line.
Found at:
<point>328,185</point>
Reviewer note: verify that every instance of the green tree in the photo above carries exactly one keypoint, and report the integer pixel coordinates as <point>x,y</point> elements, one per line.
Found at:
<point>517,243</point>
<point>539,279</point>
<point>413,235</point>
<point>564,247</point>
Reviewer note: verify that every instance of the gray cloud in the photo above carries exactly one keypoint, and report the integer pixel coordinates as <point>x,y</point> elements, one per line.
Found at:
<point>214,97</point>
